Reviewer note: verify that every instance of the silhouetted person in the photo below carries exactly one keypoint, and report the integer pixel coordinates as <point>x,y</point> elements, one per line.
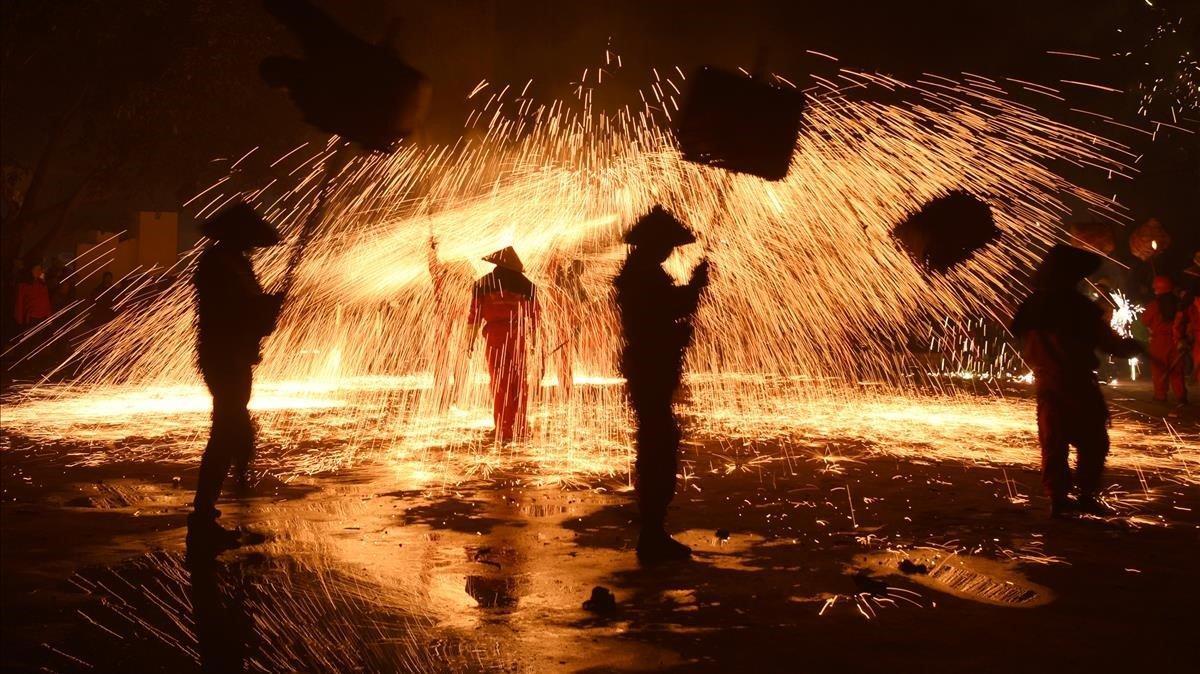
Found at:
<point>234,315</point>
<point>450,280</point>
<point>33,299</point>
<point>1164,319</point>
<point>570,301</point>
<point>1061,330</point>
<point>505,302</point>
<point>103,297</point>
<point>656,318</point>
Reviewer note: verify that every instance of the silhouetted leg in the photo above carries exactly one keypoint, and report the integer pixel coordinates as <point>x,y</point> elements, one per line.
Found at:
<point>497,381</point>
<point>214,466</point>
<point>657,450</point>
<point>243,442</point>
<point>1053,437</point>
<point>1091,442</point>
<point>231,439</point>
<point>657,465</point>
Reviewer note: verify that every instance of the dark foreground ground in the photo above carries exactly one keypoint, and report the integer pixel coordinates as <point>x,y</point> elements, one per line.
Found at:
<point>844,562</point>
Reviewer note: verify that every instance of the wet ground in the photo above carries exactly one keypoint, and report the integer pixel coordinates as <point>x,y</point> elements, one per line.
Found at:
<point>844,559</point>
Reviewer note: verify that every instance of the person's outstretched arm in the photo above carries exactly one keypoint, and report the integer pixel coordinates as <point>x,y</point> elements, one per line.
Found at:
<point>691,293</point>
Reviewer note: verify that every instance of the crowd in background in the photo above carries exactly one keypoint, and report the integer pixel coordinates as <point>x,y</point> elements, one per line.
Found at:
<point>32,294</point>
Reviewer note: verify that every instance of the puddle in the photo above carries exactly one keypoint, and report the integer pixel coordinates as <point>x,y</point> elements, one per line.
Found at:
<point>965,576</point>
<point>124,494</point>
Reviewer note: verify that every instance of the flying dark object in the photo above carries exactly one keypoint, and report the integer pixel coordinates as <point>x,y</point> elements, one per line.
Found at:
<point>738,123</point>
<point>947,231</point>
<point>360,91</point>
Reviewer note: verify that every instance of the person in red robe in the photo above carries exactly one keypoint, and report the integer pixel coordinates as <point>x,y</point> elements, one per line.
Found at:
<point>1192,331</point>
<point>1165,319</point>
<point>505,303</point>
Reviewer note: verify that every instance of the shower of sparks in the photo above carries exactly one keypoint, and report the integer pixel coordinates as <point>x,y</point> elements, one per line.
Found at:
<point>1160,47</point>
<point>1172,66</point>
<point>1123,315</point>
<point>806,327</point>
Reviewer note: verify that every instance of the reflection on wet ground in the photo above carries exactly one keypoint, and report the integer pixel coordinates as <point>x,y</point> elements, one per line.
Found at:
<point>846,559</point>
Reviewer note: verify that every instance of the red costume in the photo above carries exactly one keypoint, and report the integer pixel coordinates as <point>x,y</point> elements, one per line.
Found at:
<point>1192,328</point>
<point>505,301</point>
<point>1165,320</point>
<point>33,303</point>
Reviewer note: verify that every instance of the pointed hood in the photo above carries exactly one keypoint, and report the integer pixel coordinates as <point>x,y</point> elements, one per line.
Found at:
<point>239,223</point>
<point>1064,266</point>
<point>507,258</point>
<point>659,226</point>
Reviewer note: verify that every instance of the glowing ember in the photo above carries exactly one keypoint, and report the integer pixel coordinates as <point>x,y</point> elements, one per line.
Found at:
<point>1123,315</point>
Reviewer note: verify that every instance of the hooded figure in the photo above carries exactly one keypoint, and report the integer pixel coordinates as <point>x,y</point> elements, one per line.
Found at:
<point>505,302</point>
<point>1061,330</point>
<point>450,282</point>
<point>234,315</point>
<point>569,299</point>
<point>656,319</point>
<point>1164,318</point>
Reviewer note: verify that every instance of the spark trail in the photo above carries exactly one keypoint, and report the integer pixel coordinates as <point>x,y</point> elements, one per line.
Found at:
<point>808,285</point>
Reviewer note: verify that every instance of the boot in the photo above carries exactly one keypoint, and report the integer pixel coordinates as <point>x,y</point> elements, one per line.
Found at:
<point>655,546</point>
<point>206,537</point>
<point>1088,504</point>
<point>1062,507</point>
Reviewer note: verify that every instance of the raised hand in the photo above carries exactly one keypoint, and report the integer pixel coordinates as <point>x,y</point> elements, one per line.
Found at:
<point>700,275</point>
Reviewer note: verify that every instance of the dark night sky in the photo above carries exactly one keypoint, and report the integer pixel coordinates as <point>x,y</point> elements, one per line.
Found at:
<point>207,101</point>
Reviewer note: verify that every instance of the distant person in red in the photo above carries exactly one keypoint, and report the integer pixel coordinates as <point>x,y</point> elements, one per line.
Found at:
<point>1165,320</point>
<point>1060,331</point>
<point>1192,330</point>
<point>1192,316</point>
<point>505,302</point>
<point>33,299</point>
<point>570,298</point>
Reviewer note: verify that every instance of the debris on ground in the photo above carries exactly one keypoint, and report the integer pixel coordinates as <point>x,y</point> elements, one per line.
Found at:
<point>872,586</point>
<point>601,601</point>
